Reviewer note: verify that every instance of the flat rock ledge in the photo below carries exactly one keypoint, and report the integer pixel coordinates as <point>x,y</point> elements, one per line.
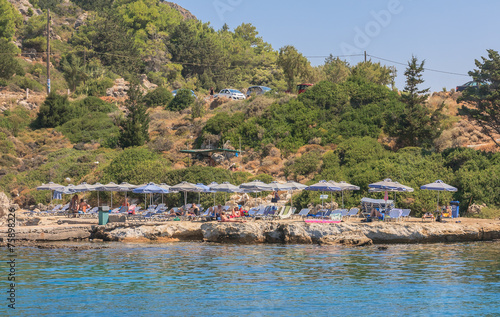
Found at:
<point>260,232</point>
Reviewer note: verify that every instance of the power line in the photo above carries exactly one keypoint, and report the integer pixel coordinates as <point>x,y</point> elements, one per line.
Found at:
<point>234,66</point>
<point>428,69</point>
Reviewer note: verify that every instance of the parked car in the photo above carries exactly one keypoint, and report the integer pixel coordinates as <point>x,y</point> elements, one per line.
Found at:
<point>303,87</point>
<point>257,90</point>
<point>473,84</point>
<point>231,94</point>
<point>175,93</point>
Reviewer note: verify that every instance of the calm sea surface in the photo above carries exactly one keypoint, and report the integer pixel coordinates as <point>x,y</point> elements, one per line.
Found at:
<point>191,279</point>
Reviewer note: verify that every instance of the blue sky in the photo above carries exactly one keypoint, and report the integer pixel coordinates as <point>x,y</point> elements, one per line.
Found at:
<point>448,34</point>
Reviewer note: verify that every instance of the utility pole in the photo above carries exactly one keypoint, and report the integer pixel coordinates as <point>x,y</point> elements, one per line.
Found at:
<point>48,51</point>
<point>365,56</point>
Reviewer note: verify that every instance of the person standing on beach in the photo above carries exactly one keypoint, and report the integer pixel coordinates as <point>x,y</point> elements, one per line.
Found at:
<point>211,93</point>
<point>73,204</point>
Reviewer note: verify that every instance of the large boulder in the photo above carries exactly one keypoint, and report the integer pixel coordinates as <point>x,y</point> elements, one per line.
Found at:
<point>4,205</point>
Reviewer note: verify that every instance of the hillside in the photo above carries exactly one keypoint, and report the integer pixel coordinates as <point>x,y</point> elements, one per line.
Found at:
<point>348,126</point>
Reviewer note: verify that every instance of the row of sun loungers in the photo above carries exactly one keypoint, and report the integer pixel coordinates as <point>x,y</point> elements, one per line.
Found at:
<point>263,212</point>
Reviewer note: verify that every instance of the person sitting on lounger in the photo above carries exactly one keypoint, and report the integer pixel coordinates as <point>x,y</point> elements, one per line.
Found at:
<point>428,215</point>
<point>225,218</point>
<point>82,206</point>
<point>194,209</point>
<point>375,213</point>
<point>126,206</point>
<point>235,213</point>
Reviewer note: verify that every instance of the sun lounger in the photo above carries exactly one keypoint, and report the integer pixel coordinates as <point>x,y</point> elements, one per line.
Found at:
<point>303,213</point>
<point>405,214</point>
<point>353,212</point>
<point>286,212</point>
<point>394,214</point>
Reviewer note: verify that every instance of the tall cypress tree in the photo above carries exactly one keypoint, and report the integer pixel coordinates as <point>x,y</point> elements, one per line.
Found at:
<point>417,125</point>
<point>134,128</point>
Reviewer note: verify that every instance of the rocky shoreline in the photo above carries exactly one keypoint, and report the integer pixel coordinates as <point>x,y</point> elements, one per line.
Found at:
<point>352,233</point>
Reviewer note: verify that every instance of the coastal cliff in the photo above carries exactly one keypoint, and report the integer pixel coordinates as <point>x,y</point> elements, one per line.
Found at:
<point>260,232</point>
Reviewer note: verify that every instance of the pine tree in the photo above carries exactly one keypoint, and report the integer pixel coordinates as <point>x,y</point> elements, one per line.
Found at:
<point>134,128</point>
<point>417,125</point>
<point>485,98</point>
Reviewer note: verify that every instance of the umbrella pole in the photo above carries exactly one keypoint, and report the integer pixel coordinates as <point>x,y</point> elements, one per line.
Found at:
<point>437,209</point>
<point>342,199</point>
<point>111,200</point>
<point>98,199</point>
<point>185,199</point>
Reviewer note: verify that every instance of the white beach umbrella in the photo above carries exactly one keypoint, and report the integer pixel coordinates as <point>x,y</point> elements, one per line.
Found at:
<point>323,186</point>
<point>439,186</point>
<point>185,187</point>
<point>344,186</point>
<point>295,186</point>
<point>109,187</point>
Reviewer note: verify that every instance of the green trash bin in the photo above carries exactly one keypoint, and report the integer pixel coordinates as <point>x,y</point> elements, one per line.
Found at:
<point>103,215</point>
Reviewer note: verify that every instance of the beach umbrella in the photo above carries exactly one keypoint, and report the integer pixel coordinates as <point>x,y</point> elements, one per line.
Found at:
<point>185,187</point>
<point>109,187</point>
<point>82,188</point>
<point>323,186</point>
<point>213,191</point>
<point>52,187</point>
<point>344,186</point>
<point>295,186</point>
<point>225,188</point>
<point>388,185</point>
<point>97,185</point>
<point>255,186</point>
<point>126,187</point>
<point>439,186</point>
<point>203,189</point>
<point>150,188</point>
<point>164,186</point>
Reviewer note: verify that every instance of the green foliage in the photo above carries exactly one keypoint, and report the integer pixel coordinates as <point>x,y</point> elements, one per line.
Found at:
<point>293,64</point>
<point>33,33</point>
<point>304,165</point>
<point>158,97</point>
<point>26,82</point>
<point>15,121</point>
<point>9,65</point>
<point>48,4</point>
<point>487,213</point>
<point>105,37</point>
<point>374,73</point>
<point>93,127</point>
<point>95,87</point>
<point>336,70</point>
<point>136,165</point>
<point>73,70</point>
<point>55,111</point>
<point>134,129</point>
<point>10,19</point>
<point>94,104</point>
<point>198,109</point>
<point>485,100</point>
<point>415,125</point>
<point>182,100</point>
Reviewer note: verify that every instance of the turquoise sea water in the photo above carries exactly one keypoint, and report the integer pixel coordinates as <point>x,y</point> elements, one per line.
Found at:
<point>194,279</point>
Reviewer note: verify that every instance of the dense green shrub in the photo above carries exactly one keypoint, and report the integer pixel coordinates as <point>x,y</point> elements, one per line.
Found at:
<point>182,100</point>
<point>27,83</point>
<point>55,111</point>
<point>137,165</point>
<point>92,127</point>
<point>94,104</point>
<point>158,97</point>
<point>95,87</point>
